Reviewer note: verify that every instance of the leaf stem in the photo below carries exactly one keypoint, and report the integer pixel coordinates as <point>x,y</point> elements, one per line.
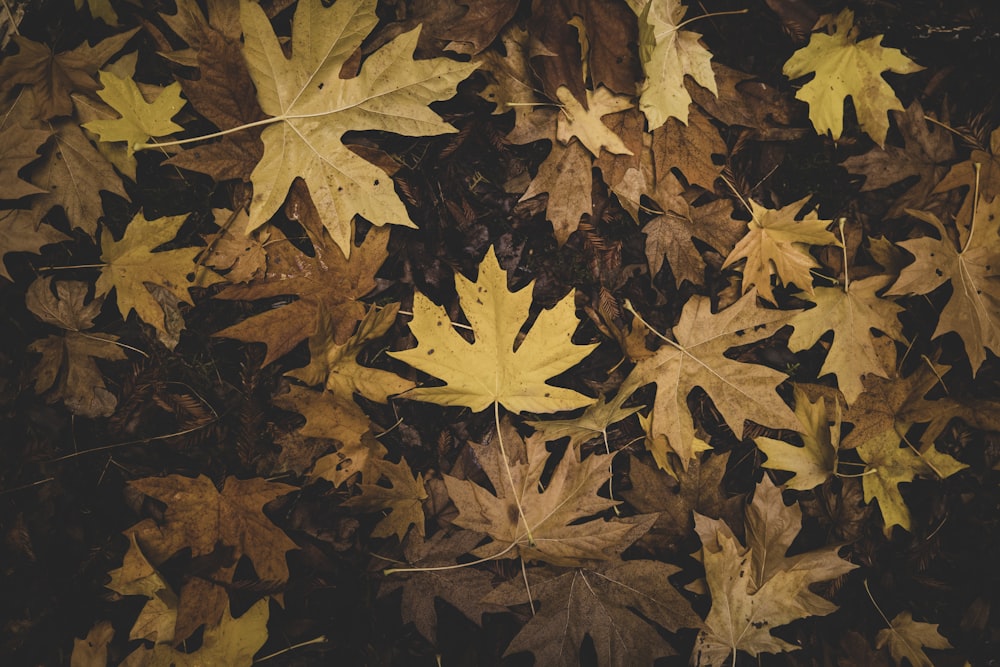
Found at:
<point>975,207</point>
<point>317,640</point>
<point>698,18</point>
<point>843,245</point>
<point>213,135</point>
<point>456,566</point>
<point>510,476</point>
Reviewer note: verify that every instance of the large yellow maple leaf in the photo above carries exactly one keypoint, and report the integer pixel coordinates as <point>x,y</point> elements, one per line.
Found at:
<point>491,370</point>
<point>313,107</point>
<point>844,68</point>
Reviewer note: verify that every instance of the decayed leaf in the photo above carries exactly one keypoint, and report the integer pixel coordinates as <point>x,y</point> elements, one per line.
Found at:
<point>336,366</point>
<point>813,463</point>
<point>140,120</point>
<point>73,173</point>
<point>131,263</point>
<point>464,588</point>
<point>757,588</point>
<point>404,498</point>
<point>233,642</point>
<point>973,311</point>
<point>68,367</point>
<point>565,176</point>
<point>669,235</point>
<point>907,638</point>
<point>585,124</point>
<point>604,603</point>
<point>845,68</point>
<point>18,148</point>
<point>315,107</point>
<point>137,576</point>
<point>54,76</point>
<point>689,146</point>
<point>926,151</point>
<point>890,462</point>
<point>698,489</point>
<point>222,92</point>
<point>334,418</point>
<point>667,55</point>
<point>552,513</point>
<point>20,231</point>
<point>327,281</point>
<point>777,244</point>
<point>490,369</point>
<point>851,313</point>
<point>245,256</point>
<point>198,517</point>
<point>740,391</point>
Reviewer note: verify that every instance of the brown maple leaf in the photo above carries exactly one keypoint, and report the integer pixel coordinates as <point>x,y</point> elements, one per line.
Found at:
<point>326,280</point>
<point>404,498</point>
<point>20,231</point>
<point>54,76</point>
<point>68,367</point>
<point>553,514</point>
<point>464,588</point>
<point>618,605</point>
<point>19,147</point>
<point>690,148</point>
<point>757,587</point>
<point>698,489</point>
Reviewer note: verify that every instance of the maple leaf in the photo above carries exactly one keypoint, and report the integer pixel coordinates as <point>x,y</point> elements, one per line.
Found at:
<point>851,312</point>
<point>462,587</point>
<point>603,603</point>
<point>490,370</point>
<point>326,281</point>
<point>73,173</point>
<point>198,517</point>
<point>244,256</point>
<point>140,120</point>
<point>777,244</point>
<point>980,172</point>
<point>669,235</point>
<point>844,68</point>
<point>757,587</point>
<point>907,638</point>
<point>696,358</point>
<point>233,642</point>
<point>333,418</point>
<point>565,177</point>
<point>552,514</point>
<point>92,651</point>
<point>20,231</point>
<point>668,54</point>
<point>223,92</point>
<point>53,77</point>
<point>336,366</point>
<point>18,148</point>
<point>404,498</point>
<point>137,576</point>
<point>690,146</point>
<point>697,489</point>
<point>973,310</point>
<point>585,123</point>
<point>68,365</point>
<point>888,464</point>
<point>131,264</point>
<point>925,152</point>
<point>814,462</point>
<point>313,107</point>
<point>594,421</point>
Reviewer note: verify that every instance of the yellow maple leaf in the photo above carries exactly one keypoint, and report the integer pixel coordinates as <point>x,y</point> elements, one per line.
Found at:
<point>491,370</point>
<point>844,68</point>
<point>313,106</point>
<point>586,125</point>
<point>131,263</point>
<point>907,638</point>
<point>667,54</point>
<point>140,120</point>
<point>777,244</point>
<point>813,463</point>
<point>851,312</point>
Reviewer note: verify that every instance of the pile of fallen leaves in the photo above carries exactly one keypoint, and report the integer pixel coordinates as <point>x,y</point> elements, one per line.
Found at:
<point>428,332</point>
